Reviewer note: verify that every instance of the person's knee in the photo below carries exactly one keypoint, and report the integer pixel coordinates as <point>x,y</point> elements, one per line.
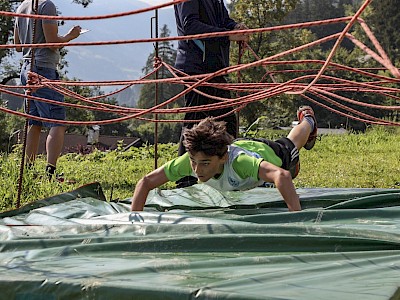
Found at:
<point>57,131</point>
<point>35,128</point>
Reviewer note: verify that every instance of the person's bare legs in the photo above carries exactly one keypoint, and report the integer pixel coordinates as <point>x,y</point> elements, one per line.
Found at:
<point>32,143</point>
<point>54,144</point>
<point>299,134</point>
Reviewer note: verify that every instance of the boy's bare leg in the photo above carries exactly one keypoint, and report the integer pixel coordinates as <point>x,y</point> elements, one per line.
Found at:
<point>32,143</point>
<point>54,144</point>
<point>299,134</point>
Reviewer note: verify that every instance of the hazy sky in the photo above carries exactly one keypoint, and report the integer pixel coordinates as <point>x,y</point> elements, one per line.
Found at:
<point>118,62</point>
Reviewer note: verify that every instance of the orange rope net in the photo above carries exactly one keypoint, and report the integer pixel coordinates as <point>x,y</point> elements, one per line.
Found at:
<point>306,84</point>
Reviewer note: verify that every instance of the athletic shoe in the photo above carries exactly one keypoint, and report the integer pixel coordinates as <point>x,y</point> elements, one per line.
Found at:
<point>60,177</point>
<point>294,171</point>
<point>307,111</point>
<point>56,177</point>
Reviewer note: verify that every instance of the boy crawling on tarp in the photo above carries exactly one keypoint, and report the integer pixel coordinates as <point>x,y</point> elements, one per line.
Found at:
<point>216,159</point>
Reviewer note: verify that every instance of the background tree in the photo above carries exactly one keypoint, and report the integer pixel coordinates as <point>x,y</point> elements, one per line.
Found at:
<point>389,41</point>
<point>6,27</point>
<point>281,110</point>
<point>263,14</point>
<point>384,20</point>
<point>315,10</point>
<point>168,132</point>
<point>353,56</point>
<point>10,129</point>
<point>79,114</point>
<point>166,53</point>
<point>7,70</point>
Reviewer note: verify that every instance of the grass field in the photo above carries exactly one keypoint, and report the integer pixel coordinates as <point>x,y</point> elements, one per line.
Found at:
<point>369,160</point>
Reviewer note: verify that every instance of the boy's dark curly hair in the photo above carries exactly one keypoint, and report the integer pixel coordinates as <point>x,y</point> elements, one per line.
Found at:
<point>209,136</point>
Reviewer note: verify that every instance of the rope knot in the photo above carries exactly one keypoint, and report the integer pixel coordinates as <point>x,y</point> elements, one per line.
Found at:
<point>157,62</point>
<point>34,80</point>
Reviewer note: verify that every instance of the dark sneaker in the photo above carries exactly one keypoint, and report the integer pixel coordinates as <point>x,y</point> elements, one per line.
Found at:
<point>294,170</point>
<point>60,177</point>
<point>56,177</point>
<point>305,111</point>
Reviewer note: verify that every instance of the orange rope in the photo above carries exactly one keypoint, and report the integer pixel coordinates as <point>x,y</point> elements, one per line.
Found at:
<point>254,91</point>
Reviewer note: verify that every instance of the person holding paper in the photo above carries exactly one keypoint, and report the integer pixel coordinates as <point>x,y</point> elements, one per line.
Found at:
<point>45,64</point>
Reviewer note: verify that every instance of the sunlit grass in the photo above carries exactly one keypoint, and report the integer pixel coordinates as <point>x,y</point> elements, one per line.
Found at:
<point>370,160</point>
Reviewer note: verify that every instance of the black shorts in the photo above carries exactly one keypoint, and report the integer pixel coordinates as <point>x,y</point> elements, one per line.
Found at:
<point>287,152</point>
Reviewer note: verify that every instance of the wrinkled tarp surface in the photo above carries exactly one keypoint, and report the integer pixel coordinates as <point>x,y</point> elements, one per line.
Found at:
<point>196,243</point>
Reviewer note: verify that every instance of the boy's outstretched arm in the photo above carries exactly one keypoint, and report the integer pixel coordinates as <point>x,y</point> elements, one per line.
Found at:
<point>150,181</point>
<point>283,182</point>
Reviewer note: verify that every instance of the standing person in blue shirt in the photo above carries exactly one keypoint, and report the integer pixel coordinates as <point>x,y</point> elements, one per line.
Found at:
<point>205,56</point>
<point>217,160</point>
<point>45,64</point>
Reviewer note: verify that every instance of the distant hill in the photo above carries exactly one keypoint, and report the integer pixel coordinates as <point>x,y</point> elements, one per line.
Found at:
<point>129,97</point>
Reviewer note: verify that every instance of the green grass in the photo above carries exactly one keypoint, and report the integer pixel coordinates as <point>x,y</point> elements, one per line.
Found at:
<point>370,160</point>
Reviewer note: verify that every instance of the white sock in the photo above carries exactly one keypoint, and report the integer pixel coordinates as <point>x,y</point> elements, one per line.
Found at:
<point>310,121</point>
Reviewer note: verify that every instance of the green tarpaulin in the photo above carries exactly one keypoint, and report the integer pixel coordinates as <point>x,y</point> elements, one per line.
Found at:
<point>196,243</point>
